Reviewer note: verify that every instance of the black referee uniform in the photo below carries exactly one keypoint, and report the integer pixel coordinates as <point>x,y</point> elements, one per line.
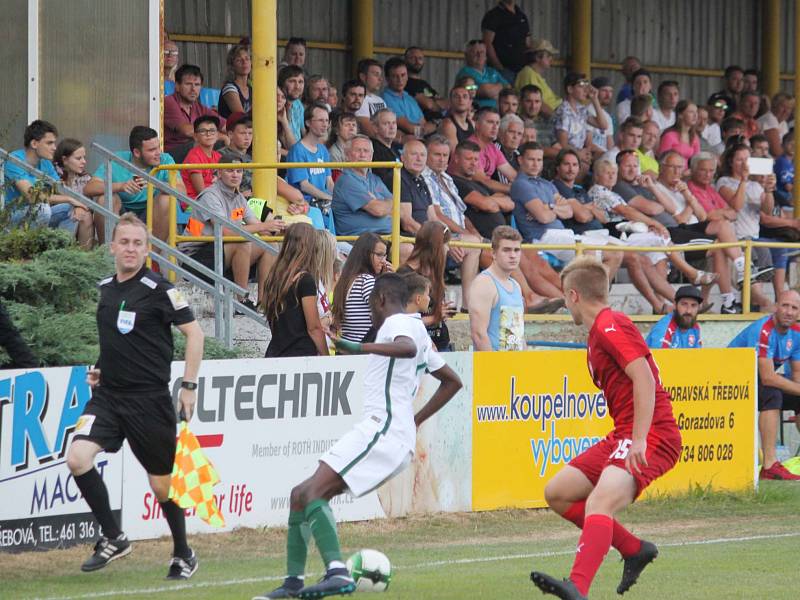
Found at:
<point>132,401</point>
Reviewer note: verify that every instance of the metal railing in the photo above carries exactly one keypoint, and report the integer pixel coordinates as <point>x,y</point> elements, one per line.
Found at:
<point>746,245</point>
<point>223,329</point>
<point>174,238</point>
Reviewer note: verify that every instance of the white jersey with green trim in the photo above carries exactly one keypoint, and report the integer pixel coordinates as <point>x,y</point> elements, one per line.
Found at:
<point>391,384</point>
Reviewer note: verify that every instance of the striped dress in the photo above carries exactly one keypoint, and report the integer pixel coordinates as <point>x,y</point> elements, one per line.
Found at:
<point>357,317</point>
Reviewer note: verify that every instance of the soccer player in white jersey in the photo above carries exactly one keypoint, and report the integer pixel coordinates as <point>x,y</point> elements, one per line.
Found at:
<point>377,448</point>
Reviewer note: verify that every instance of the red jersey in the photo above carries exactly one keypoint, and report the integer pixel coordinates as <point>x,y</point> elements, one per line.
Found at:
<point>614,342</point>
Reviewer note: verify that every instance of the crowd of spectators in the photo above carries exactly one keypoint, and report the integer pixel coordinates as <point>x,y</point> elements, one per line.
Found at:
<point>505,145</point>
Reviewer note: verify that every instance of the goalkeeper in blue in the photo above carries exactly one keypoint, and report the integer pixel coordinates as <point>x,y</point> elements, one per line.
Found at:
<point>379,447</point>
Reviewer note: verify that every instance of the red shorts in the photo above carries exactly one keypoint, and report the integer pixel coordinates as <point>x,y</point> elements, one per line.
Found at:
<point>663,452</point>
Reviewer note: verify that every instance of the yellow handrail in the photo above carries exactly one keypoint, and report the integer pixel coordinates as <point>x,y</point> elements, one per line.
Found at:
<point>173,238</point>
<point>396,239</point>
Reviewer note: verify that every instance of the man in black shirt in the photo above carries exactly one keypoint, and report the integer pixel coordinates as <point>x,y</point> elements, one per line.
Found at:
<point>432,105</point>
<point>384,148</point>
<point>131,398</point>
<point>485,209</point>
<point>507,34</point>
<point>415,197</point>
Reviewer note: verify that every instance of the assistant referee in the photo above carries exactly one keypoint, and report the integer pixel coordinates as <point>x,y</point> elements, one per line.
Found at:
<point>131,398</point>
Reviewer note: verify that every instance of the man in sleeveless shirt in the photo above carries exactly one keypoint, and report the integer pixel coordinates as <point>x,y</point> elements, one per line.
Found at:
<point>496,311</point>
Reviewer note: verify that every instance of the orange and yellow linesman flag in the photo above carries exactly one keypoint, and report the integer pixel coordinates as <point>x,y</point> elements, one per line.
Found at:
<point>193,479</point>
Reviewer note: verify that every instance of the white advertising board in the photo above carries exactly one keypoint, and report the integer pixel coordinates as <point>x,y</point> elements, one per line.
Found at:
<point>41,506</point>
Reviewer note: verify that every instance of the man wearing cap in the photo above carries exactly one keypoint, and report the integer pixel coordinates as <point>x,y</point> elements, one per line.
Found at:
<point>539,58</point>
<point>680,328</point>
<point>603,138</point>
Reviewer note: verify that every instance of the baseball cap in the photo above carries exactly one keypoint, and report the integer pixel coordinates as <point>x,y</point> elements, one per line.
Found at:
<point>544,45</point>
<point>719,100</point>
<point>688,291</point>
<point>601,82</point>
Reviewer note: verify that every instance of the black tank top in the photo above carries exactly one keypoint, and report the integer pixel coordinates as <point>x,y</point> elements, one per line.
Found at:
<point>462,134</point>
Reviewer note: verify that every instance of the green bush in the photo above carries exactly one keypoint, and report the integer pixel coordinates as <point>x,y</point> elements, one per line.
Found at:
<point>52,299</point>
<point>21,243</point>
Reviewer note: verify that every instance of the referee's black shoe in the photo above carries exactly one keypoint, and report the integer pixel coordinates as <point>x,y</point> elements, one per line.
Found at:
<point>183,568</point>
<point>106,550</point>
<point>563,588</point>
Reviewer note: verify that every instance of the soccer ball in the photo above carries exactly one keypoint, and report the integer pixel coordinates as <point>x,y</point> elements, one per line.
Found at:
<point>371,570</point>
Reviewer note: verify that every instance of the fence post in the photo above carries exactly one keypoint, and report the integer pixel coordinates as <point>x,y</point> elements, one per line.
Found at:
<point>109,202</point>
<point>396,217</point>
<point>219,259</point>
<point>748,268</point>
<point>173,223</point>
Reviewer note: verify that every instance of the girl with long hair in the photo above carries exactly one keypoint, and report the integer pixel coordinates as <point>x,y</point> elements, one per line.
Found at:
<point>428,258</point>
<point>351,312</point>
<point>70,162</point>
<point>237,93</point>
<point>682,137</point>
<point>326,256</point>
<point>290,297</point>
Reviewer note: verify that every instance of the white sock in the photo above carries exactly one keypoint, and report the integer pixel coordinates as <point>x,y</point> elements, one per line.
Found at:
<point>336,564</point>
<point>727,299</point>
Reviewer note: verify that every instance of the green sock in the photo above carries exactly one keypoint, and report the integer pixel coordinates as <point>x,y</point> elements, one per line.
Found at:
<point>297,544</point>
<point>323,528</point>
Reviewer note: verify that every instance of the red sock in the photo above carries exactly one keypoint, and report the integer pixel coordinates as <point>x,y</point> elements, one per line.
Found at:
<point>623,540</point>
<point>592,549</point>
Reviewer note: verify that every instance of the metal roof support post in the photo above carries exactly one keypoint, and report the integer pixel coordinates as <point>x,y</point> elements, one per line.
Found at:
<point>580,26</point>
<point>265,76</point>
<point>771,46</point>
<point>362,30</point>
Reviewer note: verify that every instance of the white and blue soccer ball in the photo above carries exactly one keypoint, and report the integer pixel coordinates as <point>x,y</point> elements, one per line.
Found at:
<point>371,570</point>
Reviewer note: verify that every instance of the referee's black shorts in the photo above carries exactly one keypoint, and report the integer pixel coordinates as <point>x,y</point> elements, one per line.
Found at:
<point>146,419</point>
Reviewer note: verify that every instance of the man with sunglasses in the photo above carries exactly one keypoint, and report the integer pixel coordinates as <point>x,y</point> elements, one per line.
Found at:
<point>572,118</point>
<point>717,109</point>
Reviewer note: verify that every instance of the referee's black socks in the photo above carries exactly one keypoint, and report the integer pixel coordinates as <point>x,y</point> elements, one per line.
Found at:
<point>96,495</point>
<point>177,525</point>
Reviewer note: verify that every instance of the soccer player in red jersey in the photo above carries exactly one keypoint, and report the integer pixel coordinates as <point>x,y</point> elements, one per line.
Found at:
<point>644,444</point>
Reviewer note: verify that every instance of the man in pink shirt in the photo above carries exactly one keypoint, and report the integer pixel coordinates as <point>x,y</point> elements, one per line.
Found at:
<point>701,185</point>
<point>487,125</point>
<point>181,109</point>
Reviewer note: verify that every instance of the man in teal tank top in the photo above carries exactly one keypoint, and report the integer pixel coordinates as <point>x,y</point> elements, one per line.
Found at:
<point>497,309</point>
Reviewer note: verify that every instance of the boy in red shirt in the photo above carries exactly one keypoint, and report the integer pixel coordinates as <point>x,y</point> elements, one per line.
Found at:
<point>644,444</point>
<point>206,134</point>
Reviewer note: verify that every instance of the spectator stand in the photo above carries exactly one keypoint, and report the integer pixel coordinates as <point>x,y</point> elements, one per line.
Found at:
<point>221,289</point>
<point>174,238</point>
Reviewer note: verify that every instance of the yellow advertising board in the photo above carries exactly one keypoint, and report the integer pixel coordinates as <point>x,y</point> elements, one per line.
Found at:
<point>533,412</point>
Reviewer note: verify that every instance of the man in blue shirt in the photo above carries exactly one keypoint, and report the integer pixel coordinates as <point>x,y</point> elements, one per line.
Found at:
<point>776,339</point>
<point>129,190</point>
<point>488,79</point>
<point>40,146</point>
<point>315,183</point>
<point>539,209</point>
<point>361,202</point>
<point>409,115</point>
<point>679,329</point>
<point>784,171</point>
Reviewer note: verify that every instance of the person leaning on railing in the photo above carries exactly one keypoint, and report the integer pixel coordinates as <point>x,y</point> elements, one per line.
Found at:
<point>130,191</point>
<point>352,317</point>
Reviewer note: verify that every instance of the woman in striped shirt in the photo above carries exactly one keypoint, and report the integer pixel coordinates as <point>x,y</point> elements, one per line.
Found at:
<point>367,260</point>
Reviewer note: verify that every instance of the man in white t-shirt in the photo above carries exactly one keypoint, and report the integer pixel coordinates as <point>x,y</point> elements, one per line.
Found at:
<point>668,95</point>
<point>378,447</point>
<point>370,72</point>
